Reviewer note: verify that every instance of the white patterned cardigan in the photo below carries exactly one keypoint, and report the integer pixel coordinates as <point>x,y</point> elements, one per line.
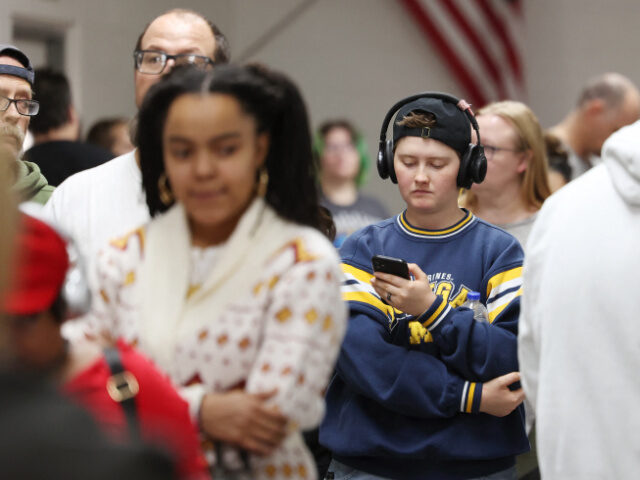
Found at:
<point>268,316</point>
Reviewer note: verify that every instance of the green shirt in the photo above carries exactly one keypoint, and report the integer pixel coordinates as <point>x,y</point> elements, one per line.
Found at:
<point>31,184</point>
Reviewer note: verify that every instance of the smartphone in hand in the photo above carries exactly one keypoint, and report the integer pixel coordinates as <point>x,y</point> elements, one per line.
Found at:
<point>391,265</point>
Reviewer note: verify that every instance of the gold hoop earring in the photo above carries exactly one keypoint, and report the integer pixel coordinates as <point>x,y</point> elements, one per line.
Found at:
<point>263,182</point>
<point>164,191</point>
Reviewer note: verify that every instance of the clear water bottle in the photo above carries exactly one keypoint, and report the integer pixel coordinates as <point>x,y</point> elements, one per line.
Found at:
<point>473,303</point>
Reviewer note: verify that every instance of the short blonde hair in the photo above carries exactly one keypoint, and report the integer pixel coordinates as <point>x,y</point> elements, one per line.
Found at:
<point>530,136</point>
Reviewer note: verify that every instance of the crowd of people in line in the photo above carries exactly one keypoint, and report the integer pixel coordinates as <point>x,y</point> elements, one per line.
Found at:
<point>205,304</point>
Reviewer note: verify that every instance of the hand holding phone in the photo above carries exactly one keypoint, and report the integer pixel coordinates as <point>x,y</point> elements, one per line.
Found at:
<point>390,265</point>
<point>412,297</point>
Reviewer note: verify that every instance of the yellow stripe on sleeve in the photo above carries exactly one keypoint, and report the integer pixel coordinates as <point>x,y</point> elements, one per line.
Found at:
<point>435,314</point>
<point>368,298</point>
<point>502,277</point>
<point>496,311</point>
<point>472,390</point>
<point>360,275</point>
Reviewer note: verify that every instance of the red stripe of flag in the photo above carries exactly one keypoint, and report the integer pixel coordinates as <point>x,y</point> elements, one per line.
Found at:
<point>496,23</point>
<point>474,94</point>
<point>477,44</point>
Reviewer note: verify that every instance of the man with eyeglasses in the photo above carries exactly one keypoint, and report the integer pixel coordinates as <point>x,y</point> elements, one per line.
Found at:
<point>105,202</point>
<point>16,109</point>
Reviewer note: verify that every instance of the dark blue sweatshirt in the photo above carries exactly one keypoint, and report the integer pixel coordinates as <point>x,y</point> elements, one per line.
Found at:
<point>405,398</point>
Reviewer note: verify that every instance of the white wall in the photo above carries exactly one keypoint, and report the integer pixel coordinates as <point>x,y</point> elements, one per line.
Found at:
<point>351,58</point>
<point>570,41</point>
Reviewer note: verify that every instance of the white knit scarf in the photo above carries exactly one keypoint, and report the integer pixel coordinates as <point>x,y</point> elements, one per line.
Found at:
<point>163,277</point>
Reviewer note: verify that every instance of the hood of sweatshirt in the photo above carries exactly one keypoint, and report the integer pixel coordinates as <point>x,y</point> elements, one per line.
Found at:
<point>621,155</point>
<point>30,183</point>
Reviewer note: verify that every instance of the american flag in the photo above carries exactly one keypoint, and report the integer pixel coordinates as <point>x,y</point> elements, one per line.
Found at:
<point>480,41</point>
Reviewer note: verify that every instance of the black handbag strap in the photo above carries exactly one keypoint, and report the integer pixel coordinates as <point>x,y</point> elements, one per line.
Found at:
<point>123,387</point>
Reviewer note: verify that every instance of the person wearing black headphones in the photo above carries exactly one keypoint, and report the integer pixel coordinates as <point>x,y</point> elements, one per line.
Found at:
<point>423,390</point>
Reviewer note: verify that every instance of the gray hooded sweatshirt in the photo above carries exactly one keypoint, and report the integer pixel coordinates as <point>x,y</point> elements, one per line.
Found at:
<point>578,340</point>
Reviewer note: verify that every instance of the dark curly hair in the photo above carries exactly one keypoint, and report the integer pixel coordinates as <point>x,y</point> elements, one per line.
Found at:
<point>278,109</point>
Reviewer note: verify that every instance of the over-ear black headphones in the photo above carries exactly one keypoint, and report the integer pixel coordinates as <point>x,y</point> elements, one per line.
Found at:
<point>473,163</point>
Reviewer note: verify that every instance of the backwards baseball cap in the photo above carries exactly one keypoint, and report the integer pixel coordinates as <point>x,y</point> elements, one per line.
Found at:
<point>39,269</point>
<point>452,127</point>
<point>14,52</point>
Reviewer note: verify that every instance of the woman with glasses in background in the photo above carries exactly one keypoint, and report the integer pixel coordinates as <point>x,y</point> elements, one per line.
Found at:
<point>511,194</point>
<point>516,184</point>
